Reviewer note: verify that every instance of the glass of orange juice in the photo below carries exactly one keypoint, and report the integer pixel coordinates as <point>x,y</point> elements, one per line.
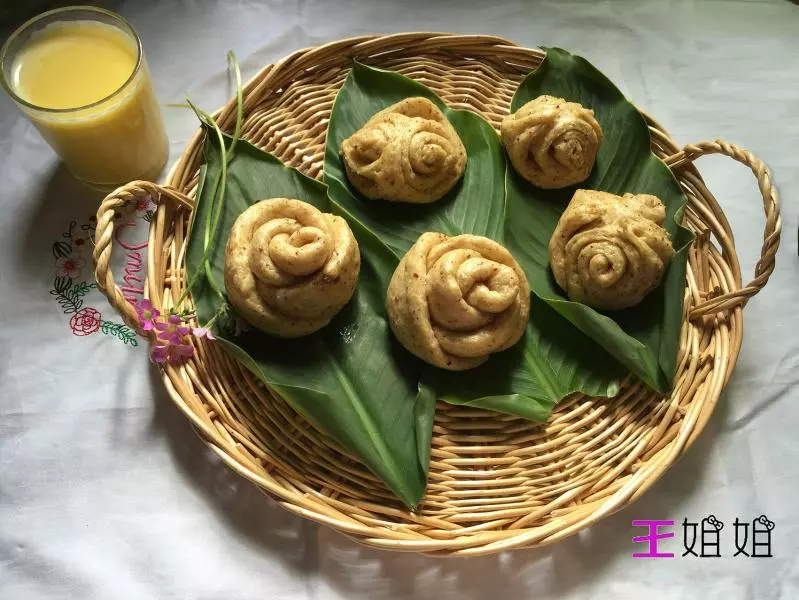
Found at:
<point>80,76</point>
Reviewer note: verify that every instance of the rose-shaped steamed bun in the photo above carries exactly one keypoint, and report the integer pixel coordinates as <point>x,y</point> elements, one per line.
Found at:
<point>289,268</point>
<point>552,143</point>
<point>610,251</point>
<point>408,152</point>
<point>453,301</point>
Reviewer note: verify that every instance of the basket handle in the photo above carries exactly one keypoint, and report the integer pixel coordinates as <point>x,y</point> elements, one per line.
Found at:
<point>104,239</point>
<point>771,206</point>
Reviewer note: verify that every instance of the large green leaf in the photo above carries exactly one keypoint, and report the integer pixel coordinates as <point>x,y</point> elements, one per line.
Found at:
<point>333,376</point>
<point>554,359</point>
<point>644,338</point>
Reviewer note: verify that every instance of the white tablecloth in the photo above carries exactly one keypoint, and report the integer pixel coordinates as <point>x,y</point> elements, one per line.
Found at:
<point>105,491</point>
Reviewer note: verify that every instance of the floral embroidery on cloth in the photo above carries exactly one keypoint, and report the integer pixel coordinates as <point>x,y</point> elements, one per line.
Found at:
<point>85,321</point>
<point>171,334</point>
<point>70,285</point>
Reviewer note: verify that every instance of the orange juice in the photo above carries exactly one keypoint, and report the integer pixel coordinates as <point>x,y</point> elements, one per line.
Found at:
<point>83,82</point>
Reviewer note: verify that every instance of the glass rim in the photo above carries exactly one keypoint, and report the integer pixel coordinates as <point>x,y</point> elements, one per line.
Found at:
<point>57,11</point>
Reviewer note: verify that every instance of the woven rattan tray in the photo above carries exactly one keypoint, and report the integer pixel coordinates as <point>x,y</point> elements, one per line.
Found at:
<point>496,482</point>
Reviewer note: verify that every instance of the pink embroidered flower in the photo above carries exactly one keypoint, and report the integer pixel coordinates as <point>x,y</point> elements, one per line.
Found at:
<point>147,314</point>
<point>69,266</point>
<point>203,332</point>
<point>139,207</point>
<point>142,206</point>
<point>85,321</point>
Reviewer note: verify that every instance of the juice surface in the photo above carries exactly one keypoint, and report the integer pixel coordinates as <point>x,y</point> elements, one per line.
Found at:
<point>109,130</point>
<point>72,64</point>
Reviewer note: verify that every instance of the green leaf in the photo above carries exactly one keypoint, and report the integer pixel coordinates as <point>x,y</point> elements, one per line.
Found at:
<point>350,379</point>
<point>554,359</point>
<point>644,338</point>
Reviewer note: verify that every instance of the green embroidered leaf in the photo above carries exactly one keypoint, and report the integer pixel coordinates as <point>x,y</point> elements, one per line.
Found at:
<point>120,331</point>
<point>645,338</point>
<point>81,289</point>
<point>69,298</point>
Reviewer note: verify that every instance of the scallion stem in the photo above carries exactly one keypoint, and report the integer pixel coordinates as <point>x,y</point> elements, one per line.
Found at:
<point>214,214</point>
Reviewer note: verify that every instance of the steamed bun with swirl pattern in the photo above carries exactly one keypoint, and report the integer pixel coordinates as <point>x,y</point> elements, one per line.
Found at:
<point>454,301</point>
<point>610,251</point>
<point>552,143</point>
<point>408,152</point>
<point>289,268</point>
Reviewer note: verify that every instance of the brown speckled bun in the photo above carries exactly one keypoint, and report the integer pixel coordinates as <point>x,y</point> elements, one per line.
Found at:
<point>455,301</point>
<point>552,143</point>
<point>289,268</point>
<point>408,152</point>
<point>610,251</point>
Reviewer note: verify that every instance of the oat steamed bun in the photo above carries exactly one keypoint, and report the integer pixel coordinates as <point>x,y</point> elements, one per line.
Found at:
<point>408,152</point>
<point>610,251</point>
<point>552,143</point>
<point>289,268</point>
<point>454,301</point>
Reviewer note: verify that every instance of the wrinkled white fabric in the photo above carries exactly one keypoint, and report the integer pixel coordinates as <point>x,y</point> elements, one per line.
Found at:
<point>105,491</point>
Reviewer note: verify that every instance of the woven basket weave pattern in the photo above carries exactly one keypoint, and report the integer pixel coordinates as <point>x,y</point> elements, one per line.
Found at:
<point>496,482</point>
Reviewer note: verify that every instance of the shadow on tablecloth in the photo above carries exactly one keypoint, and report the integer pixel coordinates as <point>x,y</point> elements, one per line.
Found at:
<point>240,505</point>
